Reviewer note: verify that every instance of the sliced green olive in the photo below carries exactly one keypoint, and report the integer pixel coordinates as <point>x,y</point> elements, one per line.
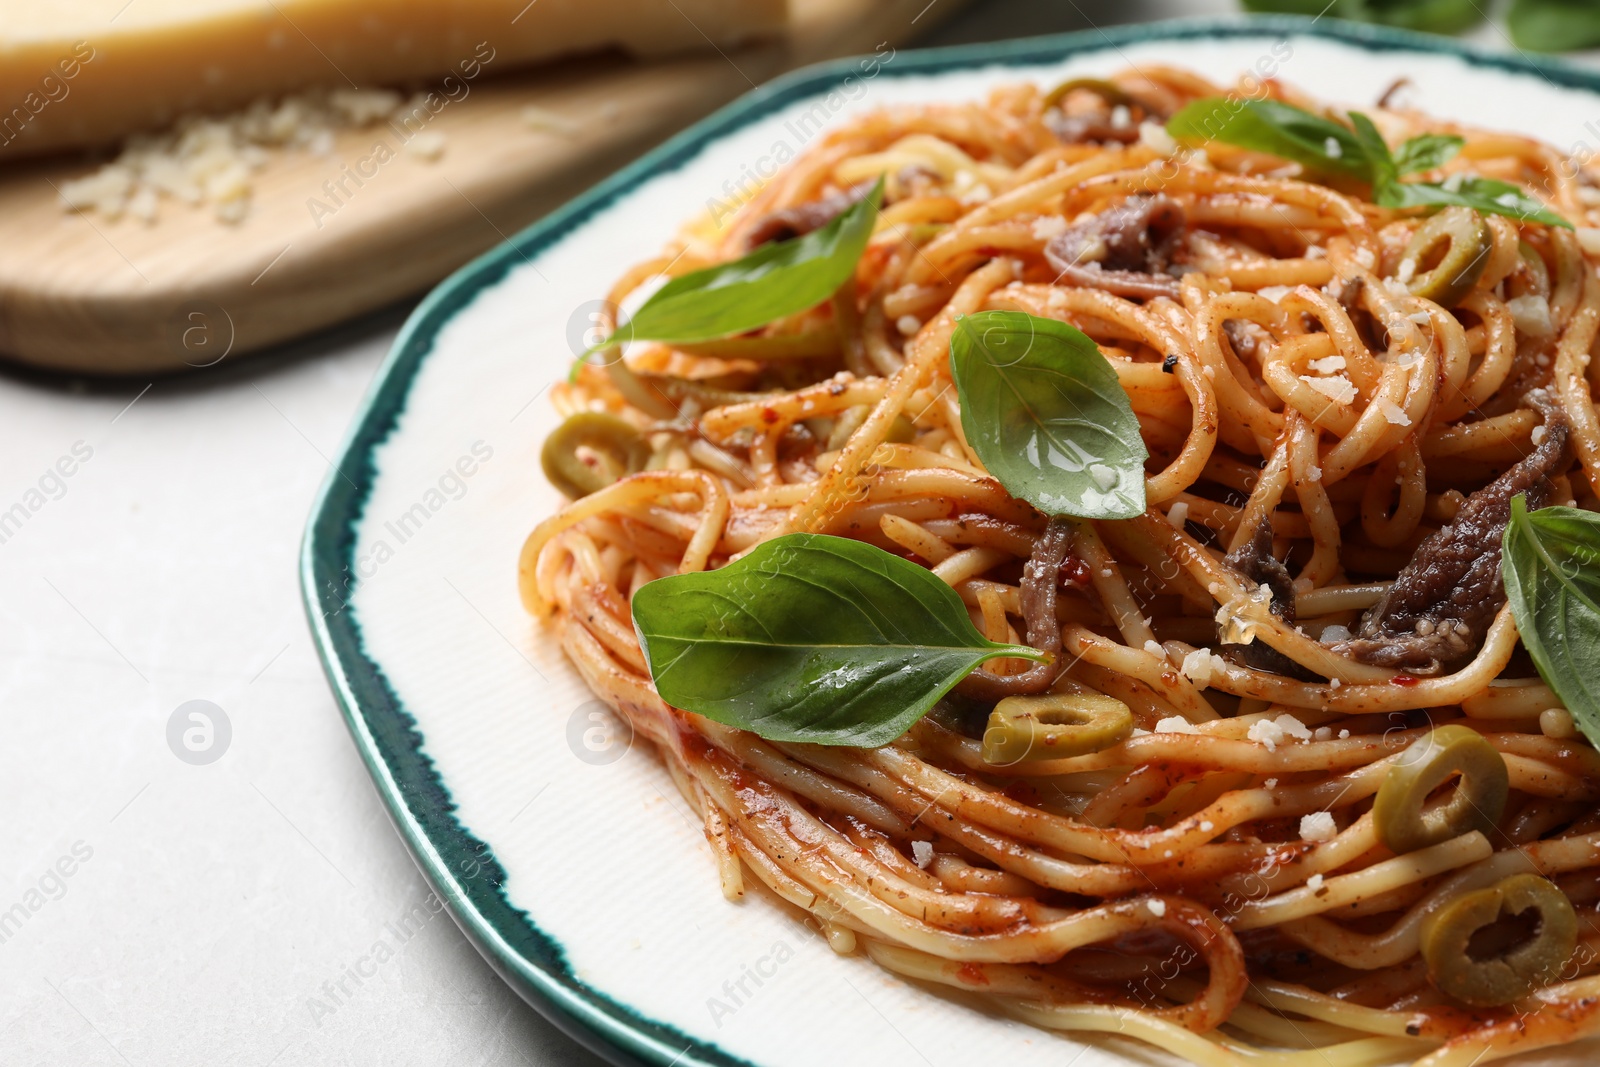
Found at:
<point>901,430</point>
<point>1461,265</point>
<point>821,426</point>
<point>1054,726</point>
<point>1406,821</point>
<point>845,426</point>
<point>1475,957</point>
<point>1105,90</point>
<point>920,233</point>
<point>614,449</point>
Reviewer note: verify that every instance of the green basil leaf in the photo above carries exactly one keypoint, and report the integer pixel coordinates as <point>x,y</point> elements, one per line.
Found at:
<point>1434,16</point>
<point>773,281</point>
<point>1427,151</point>
<point>1276,129</point>
<point>1383,167</point>
<point>1487,196</point>
<point>811,638</point>
<point>1431,16</point>
<point>1043,409</point>
<point>1550,560</point>
<point>1554,25</point>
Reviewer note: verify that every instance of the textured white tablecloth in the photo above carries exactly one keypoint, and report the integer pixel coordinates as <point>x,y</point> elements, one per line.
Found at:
<point>155,912</point>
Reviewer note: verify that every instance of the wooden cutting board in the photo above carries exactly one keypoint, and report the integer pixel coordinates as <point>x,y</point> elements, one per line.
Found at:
<point>85,294</point>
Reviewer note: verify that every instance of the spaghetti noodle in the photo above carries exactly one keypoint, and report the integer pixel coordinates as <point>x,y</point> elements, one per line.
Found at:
<point>1327,437</point>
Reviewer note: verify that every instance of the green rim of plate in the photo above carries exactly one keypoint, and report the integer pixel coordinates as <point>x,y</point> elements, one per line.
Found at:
<point>460,867</point>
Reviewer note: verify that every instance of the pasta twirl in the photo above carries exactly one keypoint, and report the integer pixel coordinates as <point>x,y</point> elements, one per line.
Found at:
<point>1339,401</point>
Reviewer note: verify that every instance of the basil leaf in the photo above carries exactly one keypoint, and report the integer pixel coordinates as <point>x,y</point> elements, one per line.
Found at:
<point>1487,196</point>
<point>1281,130</point>
<point>1484,195</point>
<point>811,638</point>
<point>1276,129</point>
<point>773,281</point>
<point>1550,561</point>
<point>1435,16</point>
<point>1554,25</point>
<point>1383,168</point>
<point>1432,16</point>
<point>1427,151</point>
<point>1043,409</point>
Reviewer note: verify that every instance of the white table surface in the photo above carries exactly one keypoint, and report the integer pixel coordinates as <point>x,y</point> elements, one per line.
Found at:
<point>215,914</point>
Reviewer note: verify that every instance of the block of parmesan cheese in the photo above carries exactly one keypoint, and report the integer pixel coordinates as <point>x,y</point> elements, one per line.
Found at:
<point>83,72</point>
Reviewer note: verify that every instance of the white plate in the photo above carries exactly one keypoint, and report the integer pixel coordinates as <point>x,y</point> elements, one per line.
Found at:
<point>571,863</point>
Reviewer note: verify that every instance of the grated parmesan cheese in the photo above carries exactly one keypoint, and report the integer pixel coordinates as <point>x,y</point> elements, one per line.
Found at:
<point>1314,883</point>
<point>1271,732</point>
<point>1178,514</point>
<point>1537,436</point>
<point>1266,732</point>
<point>1048,226</point>
<point>1531,313</point>
<point>922,852</point>
<point>977,194</point>
<point>1197,667</point>
<point>543,119</point>
<point>428,145</point>
<point>1393,413</point>
<point>1105,477</point>
<point>1318,826</point>
<point>209,161</point>
<point>1158,908</point>
<point>908,325</point>
<point>1338,389</point>
<point>1333,148</point>
<point>1293,727</point>
<point>1154,136</point>
<point>1327,364</point>
<point>1155,649</point>
<point>1176,724</point>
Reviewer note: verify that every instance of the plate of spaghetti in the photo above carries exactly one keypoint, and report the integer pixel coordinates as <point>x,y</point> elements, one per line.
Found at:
<point>1079,550</point>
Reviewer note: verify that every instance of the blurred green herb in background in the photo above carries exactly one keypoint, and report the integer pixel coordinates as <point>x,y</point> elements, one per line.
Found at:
<point>1541,25</point>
